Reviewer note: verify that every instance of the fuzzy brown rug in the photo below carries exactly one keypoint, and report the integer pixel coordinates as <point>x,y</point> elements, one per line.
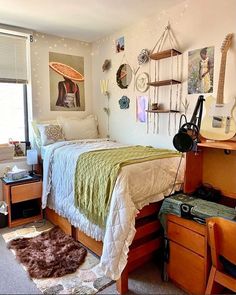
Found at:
<point>50,254</point>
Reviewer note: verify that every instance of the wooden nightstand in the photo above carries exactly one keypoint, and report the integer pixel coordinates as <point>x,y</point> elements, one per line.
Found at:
<point>24,201</point>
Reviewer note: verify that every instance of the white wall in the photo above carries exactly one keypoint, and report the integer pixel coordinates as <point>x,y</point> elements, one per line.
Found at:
<point>196,24</point>
<point>40,48</point>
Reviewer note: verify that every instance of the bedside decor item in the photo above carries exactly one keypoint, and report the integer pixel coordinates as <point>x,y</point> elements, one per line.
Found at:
<point>124,76</point>
<point>124,102</point>
<point>143,56</point>
<point>32,159</point>
<point>142,81</point>
<point>106,65</point>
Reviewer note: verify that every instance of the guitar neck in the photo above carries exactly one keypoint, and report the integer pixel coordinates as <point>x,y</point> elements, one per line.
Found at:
<point>220,91</point>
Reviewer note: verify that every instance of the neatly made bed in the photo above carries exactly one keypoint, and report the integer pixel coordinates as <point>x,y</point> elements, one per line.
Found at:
<point>136,186</point>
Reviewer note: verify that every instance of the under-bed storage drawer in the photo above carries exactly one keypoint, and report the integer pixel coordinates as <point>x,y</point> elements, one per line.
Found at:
<point>24,192</point>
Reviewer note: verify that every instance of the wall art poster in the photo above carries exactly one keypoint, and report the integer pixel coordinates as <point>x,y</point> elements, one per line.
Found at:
<point>200,70</point>
<point>66,82</point>
<point>120,44</point>
<point>141,107</point>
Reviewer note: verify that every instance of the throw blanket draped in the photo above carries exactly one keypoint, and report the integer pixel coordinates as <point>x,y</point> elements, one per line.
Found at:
<point>96,174</point>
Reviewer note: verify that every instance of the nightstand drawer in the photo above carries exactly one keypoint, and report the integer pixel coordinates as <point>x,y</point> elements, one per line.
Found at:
<point>24,192</point>
<point>187,238</point>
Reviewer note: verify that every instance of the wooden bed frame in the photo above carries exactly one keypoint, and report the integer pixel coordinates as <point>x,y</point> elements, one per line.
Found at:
<point>147,240</point>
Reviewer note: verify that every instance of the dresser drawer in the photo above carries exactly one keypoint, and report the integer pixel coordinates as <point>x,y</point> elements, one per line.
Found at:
<point>187,238</point>
<point>25,192</point>
<point>187,269</point>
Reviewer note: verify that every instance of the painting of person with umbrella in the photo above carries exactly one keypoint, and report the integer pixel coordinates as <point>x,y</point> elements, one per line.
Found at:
<point>68,89</point>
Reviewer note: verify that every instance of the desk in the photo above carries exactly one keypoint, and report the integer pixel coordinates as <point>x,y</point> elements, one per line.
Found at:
<point>189,257</point>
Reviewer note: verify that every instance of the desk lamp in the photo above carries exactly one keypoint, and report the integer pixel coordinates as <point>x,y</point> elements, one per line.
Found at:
<point>32,159</point>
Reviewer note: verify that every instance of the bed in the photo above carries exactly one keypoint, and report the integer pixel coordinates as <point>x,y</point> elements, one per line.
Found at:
<point>138,192</point>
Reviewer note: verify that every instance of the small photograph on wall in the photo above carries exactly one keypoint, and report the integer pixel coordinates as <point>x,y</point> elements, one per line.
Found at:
<point>66,82</point>
<point>120,44</point>
<point>200,70</point>
<point>141,107</point>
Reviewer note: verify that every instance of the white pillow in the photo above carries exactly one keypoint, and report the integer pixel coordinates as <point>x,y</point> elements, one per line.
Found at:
<point>79,128</point>
<point>50,133</point>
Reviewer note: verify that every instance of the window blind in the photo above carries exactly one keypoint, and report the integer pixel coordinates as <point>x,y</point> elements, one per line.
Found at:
<point>13,58</point>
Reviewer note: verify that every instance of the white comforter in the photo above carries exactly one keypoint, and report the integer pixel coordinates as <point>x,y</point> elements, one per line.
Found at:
<point>137,185</point>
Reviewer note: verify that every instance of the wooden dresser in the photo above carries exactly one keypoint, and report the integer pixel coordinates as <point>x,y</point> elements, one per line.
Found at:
<point>188,265</point>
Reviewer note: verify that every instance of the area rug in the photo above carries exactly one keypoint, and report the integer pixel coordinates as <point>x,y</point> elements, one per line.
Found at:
<point>87,279</point>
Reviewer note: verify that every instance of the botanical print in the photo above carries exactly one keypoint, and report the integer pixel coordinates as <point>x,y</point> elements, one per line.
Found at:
<point>200,70</point>
<point>141,107</point>
<point>120,44</point>
<point>66,82</point>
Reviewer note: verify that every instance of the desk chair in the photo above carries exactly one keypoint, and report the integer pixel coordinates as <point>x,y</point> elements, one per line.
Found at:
<point>222,241</point>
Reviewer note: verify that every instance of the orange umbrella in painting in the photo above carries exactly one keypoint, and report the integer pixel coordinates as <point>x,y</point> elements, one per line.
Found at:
<point>66,71</point>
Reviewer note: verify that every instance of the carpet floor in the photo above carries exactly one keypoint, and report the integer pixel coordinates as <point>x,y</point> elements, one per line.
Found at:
<point>14,279</point>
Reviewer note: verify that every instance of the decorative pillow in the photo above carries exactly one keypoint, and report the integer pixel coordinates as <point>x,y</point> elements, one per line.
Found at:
<point>79,128</point>
<point>50,133</point>
<point>36,132</point>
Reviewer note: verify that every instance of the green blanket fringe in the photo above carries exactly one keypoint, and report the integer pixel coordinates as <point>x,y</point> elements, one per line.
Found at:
<point>96,174</point>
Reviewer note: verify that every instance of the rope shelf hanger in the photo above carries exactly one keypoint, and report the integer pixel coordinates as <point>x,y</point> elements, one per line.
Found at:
<point>157,54</point>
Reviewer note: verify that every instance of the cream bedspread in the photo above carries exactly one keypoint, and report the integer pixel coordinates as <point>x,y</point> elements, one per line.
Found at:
<point>137,185</point>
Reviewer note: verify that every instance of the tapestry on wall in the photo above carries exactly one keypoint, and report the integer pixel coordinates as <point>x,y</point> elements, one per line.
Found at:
<point>200,70</point>
<point>66,82</point>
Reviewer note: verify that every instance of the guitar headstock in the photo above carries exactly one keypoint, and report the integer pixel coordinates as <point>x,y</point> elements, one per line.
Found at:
<point>226,43</point>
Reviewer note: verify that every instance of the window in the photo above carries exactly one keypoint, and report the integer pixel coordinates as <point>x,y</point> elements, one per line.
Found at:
<point>13,112</point>
<point>13,86</point>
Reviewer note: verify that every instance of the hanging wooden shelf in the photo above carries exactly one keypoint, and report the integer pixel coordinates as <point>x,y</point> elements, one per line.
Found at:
<point>163,83</point>
<point>162,111</point>
<point>164,54</point>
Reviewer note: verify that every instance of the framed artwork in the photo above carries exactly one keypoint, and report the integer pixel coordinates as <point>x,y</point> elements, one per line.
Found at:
<point>120,44</point>
<point>141,107</point>
<point>200,70</point>
<point>141,82</point>
<point>66,82</point>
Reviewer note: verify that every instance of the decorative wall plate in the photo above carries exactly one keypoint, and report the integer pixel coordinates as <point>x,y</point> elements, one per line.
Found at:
<point>124,76</point>
<point>141,82</point>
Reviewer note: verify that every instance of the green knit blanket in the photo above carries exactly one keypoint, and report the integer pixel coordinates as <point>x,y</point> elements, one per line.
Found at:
<point>96,174</point>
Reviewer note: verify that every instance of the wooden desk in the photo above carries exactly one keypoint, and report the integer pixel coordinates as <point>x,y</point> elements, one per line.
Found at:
<point>189,260</point>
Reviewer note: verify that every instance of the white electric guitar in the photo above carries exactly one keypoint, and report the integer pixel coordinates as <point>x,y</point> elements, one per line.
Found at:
<point>218,123</point>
